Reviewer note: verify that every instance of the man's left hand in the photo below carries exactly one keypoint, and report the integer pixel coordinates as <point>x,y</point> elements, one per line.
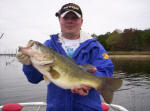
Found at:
<point>83,90</point>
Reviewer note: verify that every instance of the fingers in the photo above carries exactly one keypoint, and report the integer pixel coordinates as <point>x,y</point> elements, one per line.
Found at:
<point>74,90</point>
<point>85,87</point>
<point>24,59</point>
<point>19,54</point>
<point>93,70</point>
<point>80,92</point>
<point>83,91</point>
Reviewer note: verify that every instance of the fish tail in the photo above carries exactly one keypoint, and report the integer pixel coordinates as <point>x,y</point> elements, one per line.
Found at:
<point>107,88</point>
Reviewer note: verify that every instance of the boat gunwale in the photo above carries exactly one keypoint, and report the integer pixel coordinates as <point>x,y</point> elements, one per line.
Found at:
<point>118,107</point>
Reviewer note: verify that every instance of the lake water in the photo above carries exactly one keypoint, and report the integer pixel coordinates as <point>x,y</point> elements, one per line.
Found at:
<point>133,95</point>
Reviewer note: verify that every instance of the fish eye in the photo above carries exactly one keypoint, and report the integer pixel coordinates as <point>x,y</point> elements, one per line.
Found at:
<point>36,43</point>
<point>19,49</point>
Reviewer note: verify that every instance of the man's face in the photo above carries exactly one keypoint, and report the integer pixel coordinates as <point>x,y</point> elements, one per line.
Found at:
<point>70,23</point>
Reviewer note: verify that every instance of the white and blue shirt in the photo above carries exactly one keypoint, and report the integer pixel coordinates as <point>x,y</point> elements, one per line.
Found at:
<point>69,45</point>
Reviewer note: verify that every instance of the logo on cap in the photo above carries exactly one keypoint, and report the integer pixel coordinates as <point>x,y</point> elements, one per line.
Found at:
<point>73,7</point>
<point>69,7</point>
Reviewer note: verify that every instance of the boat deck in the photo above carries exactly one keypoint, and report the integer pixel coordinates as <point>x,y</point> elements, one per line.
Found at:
<point>34,108</point>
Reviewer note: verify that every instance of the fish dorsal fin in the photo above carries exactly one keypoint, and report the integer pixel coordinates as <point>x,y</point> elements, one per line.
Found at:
<point>70,59</point>
<point>88,67</point>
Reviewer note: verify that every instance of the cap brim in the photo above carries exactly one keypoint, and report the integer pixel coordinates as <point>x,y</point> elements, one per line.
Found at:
<point>77,14</point>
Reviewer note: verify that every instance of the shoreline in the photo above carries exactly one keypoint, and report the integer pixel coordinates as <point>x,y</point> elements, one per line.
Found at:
<point>111,53</point>
<point>130,57</point>
<point>129,52</point>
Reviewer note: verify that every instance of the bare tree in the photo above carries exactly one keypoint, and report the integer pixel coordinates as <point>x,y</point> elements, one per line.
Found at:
<point>1,35</point>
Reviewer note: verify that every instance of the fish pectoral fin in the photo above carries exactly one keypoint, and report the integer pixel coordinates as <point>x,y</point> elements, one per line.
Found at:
<point>108,86</point>
<point>42,63</point>
<point>46,79</point>
<point>54,74</point>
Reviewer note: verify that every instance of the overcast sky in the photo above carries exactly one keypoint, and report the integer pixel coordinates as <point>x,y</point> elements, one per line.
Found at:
<point>22,20</point>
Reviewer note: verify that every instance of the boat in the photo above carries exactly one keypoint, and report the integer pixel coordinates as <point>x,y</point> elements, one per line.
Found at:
<point>41,106</point>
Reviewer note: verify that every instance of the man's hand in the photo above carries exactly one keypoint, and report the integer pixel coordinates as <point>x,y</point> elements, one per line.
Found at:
<point>24,59</point>
<point>83,91</point>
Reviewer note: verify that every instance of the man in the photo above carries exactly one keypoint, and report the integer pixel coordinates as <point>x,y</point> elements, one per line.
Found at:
<point>83,49</point>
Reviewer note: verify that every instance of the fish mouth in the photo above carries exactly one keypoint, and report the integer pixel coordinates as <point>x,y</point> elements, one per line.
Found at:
<point>29,45</point>
<point>20,49</point>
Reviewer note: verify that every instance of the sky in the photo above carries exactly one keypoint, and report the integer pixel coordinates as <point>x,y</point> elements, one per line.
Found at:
<point>23,20</point>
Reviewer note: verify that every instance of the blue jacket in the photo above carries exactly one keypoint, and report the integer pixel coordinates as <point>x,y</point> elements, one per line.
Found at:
<point>89,52</point>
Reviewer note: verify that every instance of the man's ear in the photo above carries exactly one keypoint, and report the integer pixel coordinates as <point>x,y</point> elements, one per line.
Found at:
<point>82,20</point>
<point>59,18</point>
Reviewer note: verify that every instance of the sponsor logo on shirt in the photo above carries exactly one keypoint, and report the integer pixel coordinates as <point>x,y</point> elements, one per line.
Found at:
<point>105,56</point>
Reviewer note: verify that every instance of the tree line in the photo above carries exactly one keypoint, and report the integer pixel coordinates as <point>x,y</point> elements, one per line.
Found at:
<point>126,40</point>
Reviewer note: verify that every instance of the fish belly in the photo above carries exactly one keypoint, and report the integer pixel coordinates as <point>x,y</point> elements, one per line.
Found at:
<point>65,84</point>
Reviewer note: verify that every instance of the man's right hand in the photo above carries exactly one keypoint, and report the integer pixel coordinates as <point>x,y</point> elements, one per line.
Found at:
<point>24,59</point>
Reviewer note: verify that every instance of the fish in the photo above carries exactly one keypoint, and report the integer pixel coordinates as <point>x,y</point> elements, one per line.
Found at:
<point>65,73</point>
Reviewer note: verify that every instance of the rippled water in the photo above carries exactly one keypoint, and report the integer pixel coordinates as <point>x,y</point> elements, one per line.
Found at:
<point>135,72</point>
<point>133,95</point>
<point>14,86</point>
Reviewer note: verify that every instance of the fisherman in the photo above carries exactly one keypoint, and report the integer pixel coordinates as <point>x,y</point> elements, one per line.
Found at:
<point>83,49</point>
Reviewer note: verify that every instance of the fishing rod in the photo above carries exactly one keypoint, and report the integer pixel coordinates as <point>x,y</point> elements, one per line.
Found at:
<point>1,35</point>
